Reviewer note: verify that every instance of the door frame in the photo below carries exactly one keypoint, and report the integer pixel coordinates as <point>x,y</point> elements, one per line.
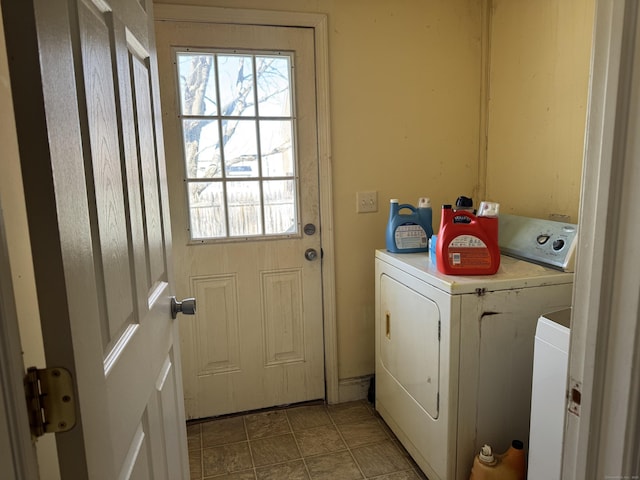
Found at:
<point>318,22</point>
<point>20,459</point>
<point>17,449</point>
<point>604,362</point>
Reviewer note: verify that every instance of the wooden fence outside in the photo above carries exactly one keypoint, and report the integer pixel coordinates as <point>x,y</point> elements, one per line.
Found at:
<point>208,214</point>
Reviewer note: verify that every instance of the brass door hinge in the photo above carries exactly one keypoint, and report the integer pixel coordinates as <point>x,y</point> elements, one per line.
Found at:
<point>50,400</point>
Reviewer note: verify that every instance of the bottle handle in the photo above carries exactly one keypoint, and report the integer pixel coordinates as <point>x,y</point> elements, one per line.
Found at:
<point>406,205</point>
<point>473,218</point>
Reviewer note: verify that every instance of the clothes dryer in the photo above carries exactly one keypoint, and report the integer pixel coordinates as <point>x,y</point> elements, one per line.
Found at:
<point>454,355</point>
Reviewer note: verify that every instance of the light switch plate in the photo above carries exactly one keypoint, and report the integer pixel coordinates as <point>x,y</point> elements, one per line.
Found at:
<point>366,202</point>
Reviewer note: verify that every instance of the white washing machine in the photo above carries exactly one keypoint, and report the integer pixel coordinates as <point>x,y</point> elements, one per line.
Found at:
<point>454,354</point>
<point>548,395</point>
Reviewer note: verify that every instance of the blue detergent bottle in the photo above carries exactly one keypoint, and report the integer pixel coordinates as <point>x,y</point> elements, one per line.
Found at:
<point>409,232</point>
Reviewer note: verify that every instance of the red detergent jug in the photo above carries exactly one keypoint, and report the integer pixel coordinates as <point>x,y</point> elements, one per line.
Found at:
<point>467,245</point>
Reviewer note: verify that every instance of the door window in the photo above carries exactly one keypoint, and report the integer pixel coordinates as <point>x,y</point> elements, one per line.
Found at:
<point>238,129</point>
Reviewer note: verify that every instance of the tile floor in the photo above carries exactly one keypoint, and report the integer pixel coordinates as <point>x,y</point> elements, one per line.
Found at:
<point>310,442</point>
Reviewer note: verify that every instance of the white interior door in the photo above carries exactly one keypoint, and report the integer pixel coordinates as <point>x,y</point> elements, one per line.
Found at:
<point>85,95</point>
<point>241,139</point>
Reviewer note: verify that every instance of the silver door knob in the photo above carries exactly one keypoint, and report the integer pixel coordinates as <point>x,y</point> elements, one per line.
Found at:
<point>310,254</point>
<point>186,307</point>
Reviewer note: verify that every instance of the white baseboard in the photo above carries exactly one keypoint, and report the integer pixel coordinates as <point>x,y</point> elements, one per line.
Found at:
<point>352,389</point>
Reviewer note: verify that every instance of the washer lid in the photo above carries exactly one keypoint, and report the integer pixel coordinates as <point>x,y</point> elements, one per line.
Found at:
<point>555,328</point>
<point>513,273</point>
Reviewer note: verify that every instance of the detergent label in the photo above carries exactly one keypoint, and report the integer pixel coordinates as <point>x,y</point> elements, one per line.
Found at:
<point>410,235</point>
<point>468,251</point>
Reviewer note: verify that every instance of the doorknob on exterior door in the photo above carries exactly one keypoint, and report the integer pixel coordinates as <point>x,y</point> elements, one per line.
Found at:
<point>186,307</point>
<point>310,254</point>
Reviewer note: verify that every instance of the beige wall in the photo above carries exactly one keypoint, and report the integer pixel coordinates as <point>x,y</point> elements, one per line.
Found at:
<point>406,89</point>
<point>404,80</point>
<point>405,98</point>
<point>540,60</point>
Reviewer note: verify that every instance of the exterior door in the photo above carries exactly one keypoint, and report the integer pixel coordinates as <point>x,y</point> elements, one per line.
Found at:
<point>242,158</point>
<point>84,81</point>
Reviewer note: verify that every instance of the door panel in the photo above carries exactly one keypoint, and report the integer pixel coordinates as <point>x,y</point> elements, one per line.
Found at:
<point>283,316</point>
<point>116,304</point>
<point>257,339</point>
<point>218,340</point>
<point>96,201</point>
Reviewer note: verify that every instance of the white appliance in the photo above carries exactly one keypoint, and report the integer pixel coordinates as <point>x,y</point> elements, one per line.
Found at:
<point>548,395</point>
<point>454,354</point>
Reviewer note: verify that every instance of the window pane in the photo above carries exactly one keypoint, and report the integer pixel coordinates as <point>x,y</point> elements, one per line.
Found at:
<point>243,201</point>
<point>201,148</point>
<point>206,210</point>
<point>196,74</point>
<point>236,85</point>
<point>240,148</point>
<point>274,92</point>
<point>280,207</point>
<point>276,148</point>
<point>229,102</point>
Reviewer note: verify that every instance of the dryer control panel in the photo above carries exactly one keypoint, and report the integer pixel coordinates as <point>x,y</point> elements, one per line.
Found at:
<point>545,242</point>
